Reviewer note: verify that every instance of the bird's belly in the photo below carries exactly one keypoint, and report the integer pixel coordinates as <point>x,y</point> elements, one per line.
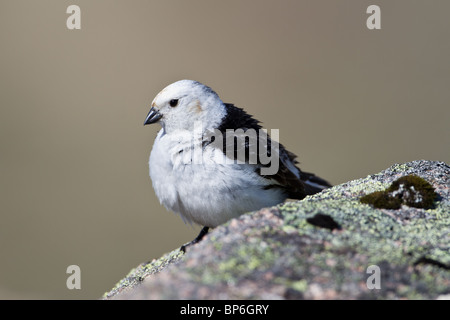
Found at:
<point>211,194</point>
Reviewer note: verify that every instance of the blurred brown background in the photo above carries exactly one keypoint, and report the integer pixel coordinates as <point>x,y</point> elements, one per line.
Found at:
<point>74,182</point>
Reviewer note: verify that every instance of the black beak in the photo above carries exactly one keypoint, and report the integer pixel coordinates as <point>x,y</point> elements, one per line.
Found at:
<point>153,116</point>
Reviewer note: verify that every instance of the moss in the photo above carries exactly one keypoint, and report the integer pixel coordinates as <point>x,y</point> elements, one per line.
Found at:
<point>414,191</point>
<point>382,199</point>
<point>410,190</point>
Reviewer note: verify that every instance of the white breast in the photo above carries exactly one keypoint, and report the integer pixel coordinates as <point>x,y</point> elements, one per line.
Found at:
<point>206,190</point>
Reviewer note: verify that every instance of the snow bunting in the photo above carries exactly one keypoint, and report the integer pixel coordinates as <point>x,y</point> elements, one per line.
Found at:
<point>211,161</point>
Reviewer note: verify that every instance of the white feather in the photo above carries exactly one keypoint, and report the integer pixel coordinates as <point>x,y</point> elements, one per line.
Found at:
<point>208,193</point>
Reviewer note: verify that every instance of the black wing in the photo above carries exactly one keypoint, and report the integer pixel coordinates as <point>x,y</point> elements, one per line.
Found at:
<point>295,183</point>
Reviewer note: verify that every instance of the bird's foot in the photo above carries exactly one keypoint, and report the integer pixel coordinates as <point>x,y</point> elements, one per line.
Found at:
<point>200,236</point>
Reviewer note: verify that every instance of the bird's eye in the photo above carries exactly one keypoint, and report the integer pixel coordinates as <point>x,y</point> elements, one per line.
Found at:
<point>173,102</point>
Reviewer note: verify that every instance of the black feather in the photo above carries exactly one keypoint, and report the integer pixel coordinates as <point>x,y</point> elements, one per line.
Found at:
<point>284,179</point>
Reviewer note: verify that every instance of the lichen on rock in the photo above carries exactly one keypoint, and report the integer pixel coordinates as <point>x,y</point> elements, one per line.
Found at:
<point>316,248</point>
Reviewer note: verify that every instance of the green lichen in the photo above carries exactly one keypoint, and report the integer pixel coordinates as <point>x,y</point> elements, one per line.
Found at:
<point>400,167</point>
<point>300,285</point>
<point>138,274</point>
<point>409,190</point>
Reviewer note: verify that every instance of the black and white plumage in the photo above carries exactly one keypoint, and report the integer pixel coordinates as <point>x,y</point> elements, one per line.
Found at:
<point>211,191</point>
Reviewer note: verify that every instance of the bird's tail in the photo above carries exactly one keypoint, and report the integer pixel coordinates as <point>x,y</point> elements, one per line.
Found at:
<point>313,184</point>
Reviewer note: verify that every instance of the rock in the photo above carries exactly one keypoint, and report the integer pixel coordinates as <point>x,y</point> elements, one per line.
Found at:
<point>318,248</point>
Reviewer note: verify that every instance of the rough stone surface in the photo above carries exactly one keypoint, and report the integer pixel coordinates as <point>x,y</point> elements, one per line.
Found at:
<point>316,248</point>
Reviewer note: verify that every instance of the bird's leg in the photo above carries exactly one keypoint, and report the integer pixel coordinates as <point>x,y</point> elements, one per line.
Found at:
<point>200,236</point>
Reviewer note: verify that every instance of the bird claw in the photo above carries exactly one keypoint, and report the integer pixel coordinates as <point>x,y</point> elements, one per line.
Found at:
<point>200,236</point>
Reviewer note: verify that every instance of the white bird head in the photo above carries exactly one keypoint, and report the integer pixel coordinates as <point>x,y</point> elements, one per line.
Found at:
<point>185,103</point>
